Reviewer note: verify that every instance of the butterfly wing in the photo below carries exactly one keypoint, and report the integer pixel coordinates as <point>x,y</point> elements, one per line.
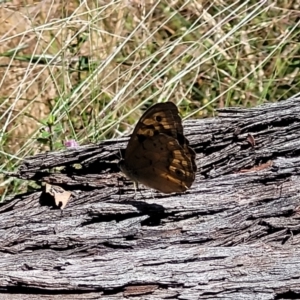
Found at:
<point>162,164</point>
<point>159,118</point>
<point>158,155</point>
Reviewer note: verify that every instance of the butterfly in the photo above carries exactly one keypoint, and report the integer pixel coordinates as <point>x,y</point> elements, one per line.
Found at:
<point>158,154</point>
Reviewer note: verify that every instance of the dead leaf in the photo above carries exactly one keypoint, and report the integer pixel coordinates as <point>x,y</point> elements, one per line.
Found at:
<point>61,196</point>
<point>139,290</point>
<point>258,168</point>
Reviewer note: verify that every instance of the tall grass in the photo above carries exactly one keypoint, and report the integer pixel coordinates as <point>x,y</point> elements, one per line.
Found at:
<point>77,70</point>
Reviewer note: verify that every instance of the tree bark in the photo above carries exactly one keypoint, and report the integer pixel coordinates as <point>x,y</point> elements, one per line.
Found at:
<point>233,235</point>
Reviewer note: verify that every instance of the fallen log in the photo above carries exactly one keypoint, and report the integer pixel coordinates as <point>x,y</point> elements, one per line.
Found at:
<point>233,235</point>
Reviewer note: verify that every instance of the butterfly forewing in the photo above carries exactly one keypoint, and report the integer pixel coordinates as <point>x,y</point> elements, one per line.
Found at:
<point>158,154</point>
<point>160,118</point>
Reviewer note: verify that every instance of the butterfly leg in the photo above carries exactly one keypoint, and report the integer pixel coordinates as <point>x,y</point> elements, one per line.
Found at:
<point>136,188</point>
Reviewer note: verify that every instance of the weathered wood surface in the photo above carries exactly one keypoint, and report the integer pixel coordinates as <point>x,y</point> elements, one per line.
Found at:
<point>233,235</point>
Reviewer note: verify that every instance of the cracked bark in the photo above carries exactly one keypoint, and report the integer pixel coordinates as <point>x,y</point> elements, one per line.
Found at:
<point>233,235</point>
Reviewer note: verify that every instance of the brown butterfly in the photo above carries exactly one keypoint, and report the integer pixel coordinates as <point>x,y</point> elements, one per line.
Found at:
<point>158,155</point>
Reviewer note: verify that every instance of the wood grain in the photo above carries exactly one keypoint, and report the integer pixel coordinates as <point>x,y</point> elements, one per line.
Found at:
<point>233,235</point>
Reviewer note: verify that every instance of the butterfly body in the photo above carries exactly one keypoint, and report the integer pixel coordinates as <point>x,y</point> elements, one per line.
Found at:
<point>158,155</point>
